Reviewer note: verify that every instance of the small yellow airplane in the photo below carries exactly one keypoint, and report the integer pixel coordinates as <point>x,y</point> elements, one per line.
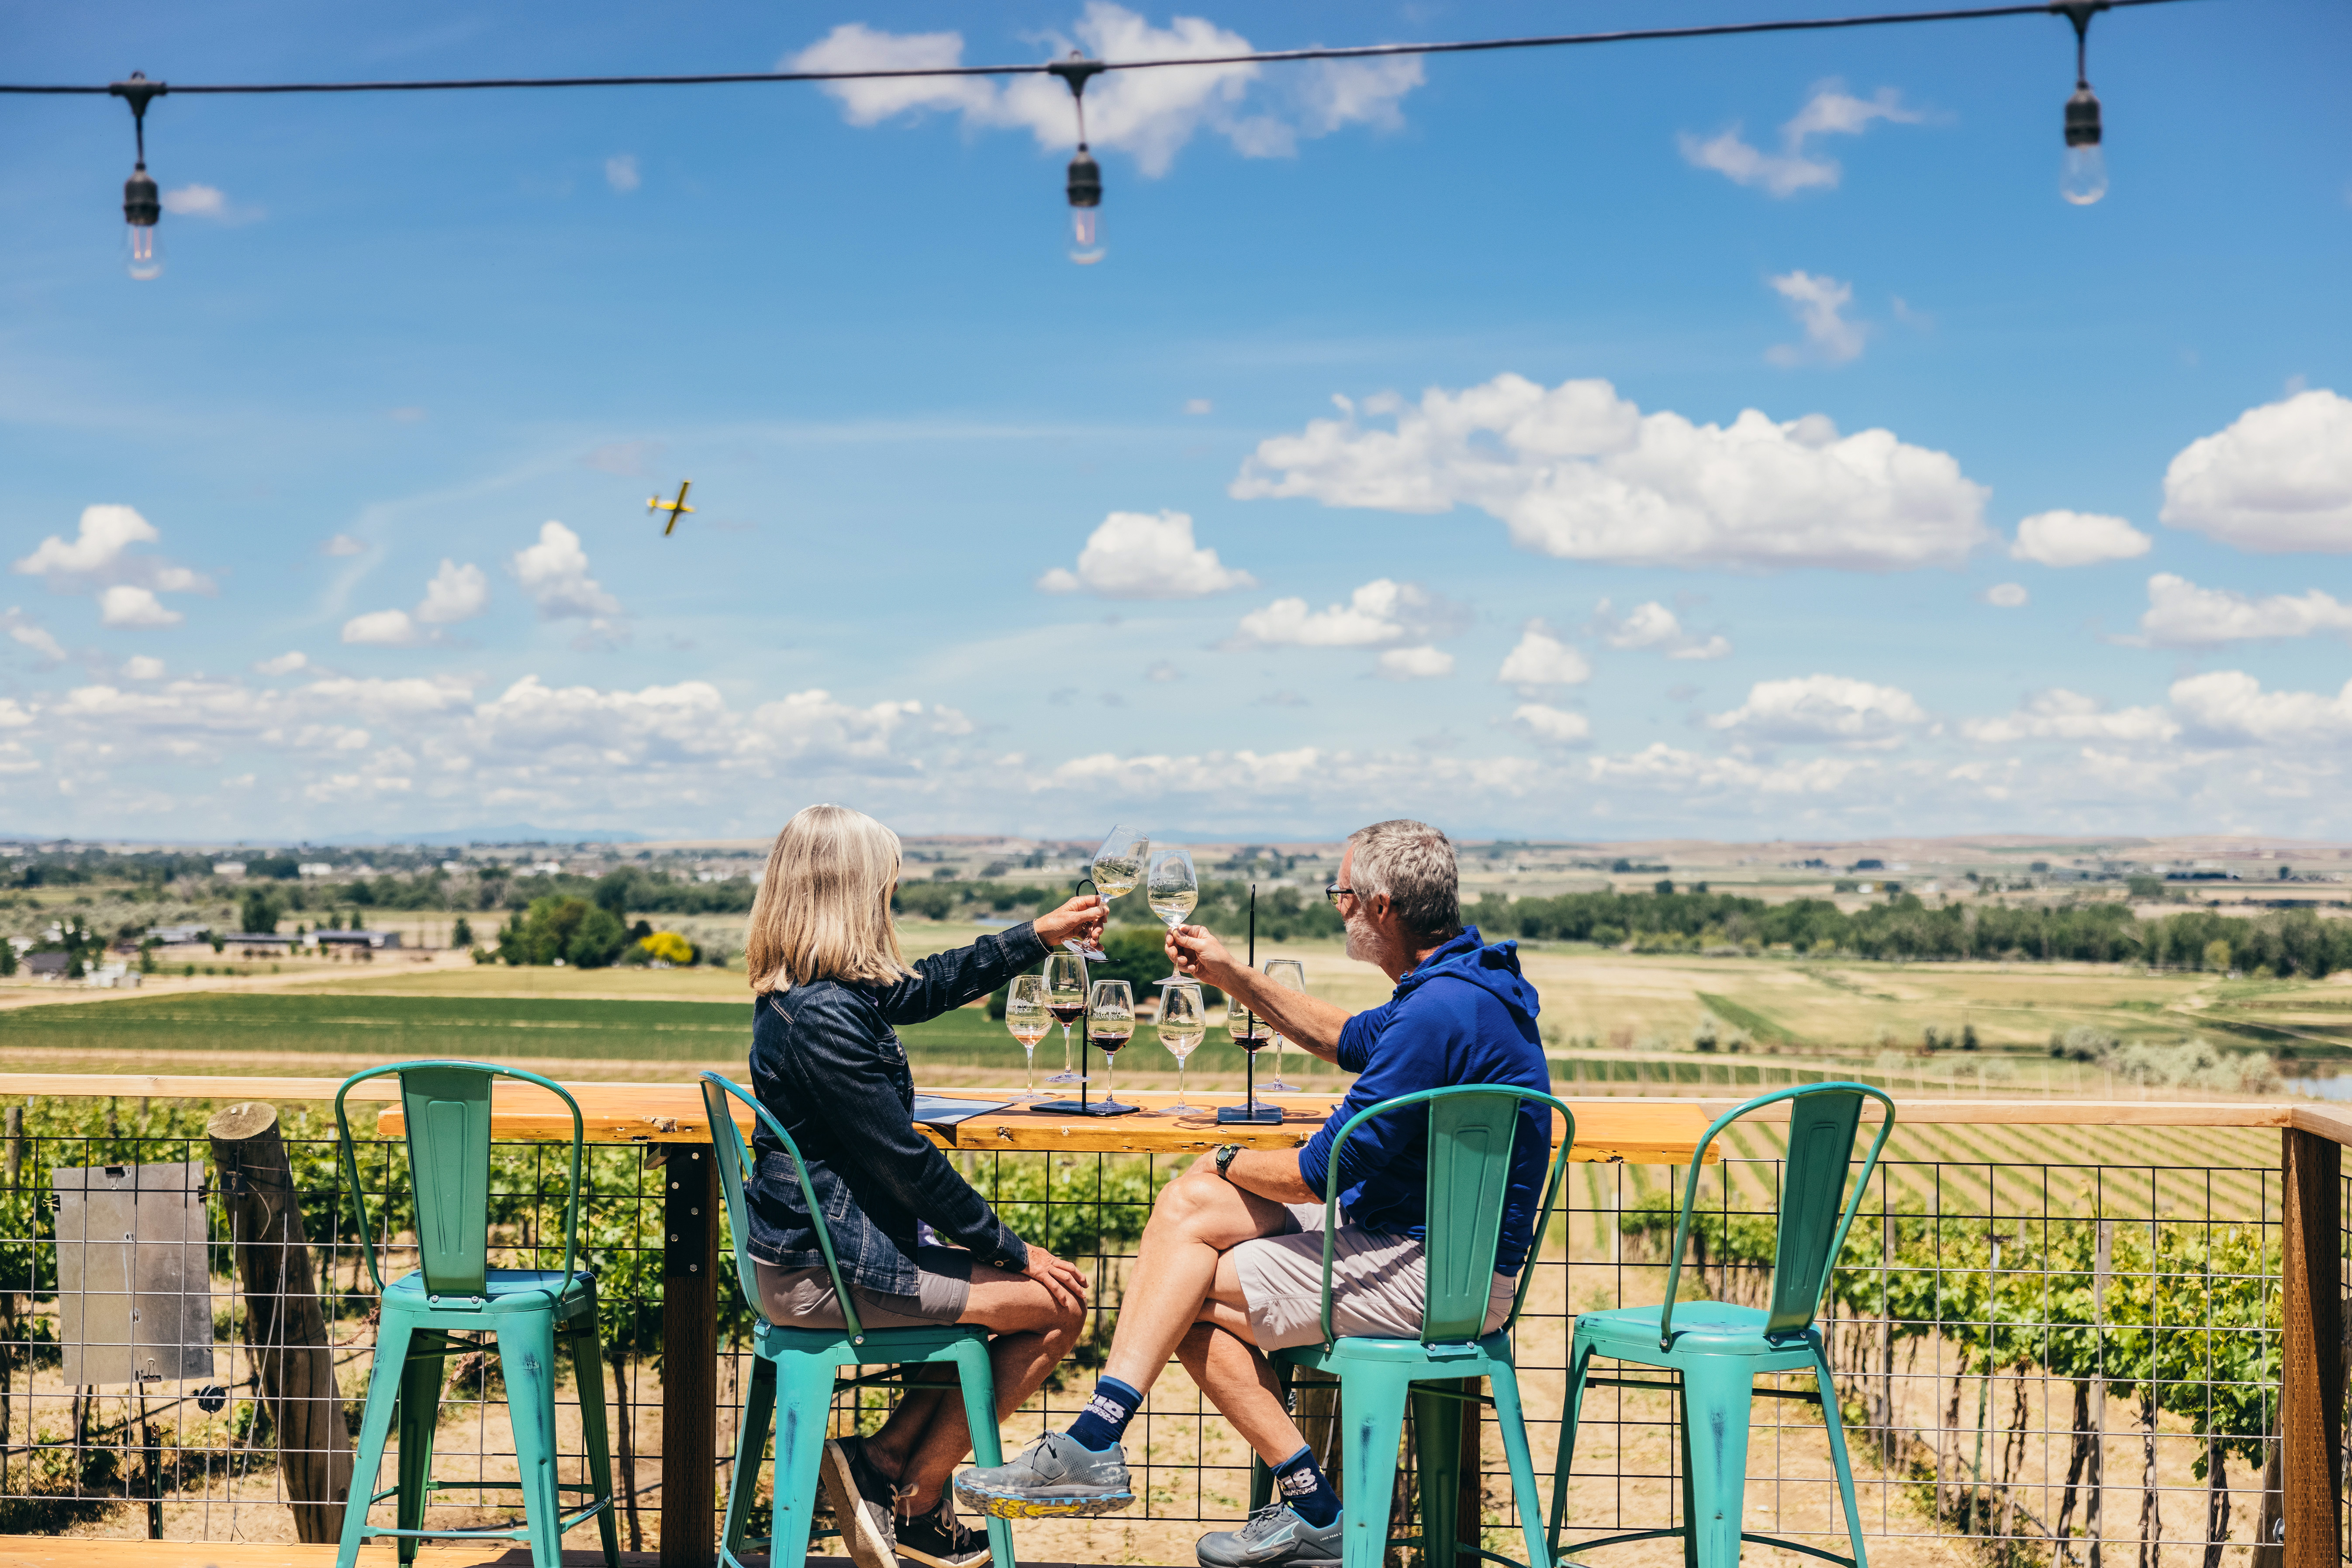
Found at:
<point>676,509</point>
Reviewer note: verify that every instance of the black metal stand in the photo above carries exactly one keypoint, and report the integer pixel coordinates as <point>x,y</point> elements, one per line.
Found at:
<point>1252,1113</point>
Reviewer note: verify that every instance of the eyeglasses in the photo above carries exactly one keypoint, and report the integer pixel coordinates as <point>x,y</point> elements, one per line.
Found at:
<point>1333,890</point>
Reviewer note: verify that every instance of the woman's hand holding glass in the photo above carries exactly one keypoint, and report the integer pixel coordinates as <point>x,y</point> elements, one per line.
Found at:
<point>1079,920</point>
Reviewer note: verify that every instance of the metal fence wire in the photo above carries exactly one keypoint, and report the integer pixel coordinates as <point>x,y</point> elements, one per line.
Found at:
<point>2071,1363</point>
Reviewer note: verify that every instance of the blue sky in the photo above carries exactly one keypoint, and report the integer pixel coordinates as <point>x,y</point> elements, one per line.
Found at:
<point>1587,444</point>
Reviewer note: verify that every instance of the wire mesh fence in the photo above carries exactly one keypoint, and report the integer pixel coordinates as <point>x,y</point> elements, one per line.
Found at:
<point>2038,1359</point>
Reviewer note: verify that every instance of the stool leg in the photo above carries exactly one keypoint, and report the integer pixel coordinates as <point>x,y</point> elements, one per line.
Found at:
<point>1372,1407</point>
<point>803,1406</point>
<point>751,1434</point>
<point>978,1376</point>
<point>1718,1397</point>
<point>1580,1367</point>
<point>588,1377</point>
<point>1512,1420</point>
<point>1437,1444</point>
<point>375,1425</point>
<point>527,1358</point>
<point>420,1415</point>
<point>1836,1424</point>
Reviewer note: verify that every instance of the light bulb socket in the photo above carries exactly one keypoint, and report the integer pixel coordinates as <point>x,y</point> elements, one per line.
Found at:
<point>142,204</point>
<point>1086,180</point>
<point>2083,118</point>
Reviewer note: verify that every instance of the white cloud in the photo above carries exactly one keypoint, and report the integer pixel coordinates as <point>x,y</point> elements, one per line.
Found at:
<point>554,572</point>
<point>1541,659</point>
<point>1148,114</point>
<point>140,667</point>
<point>29,634</point>
<point>208,202</point>
<point>1551,726</point>
<point>2229,707</point>
<point>1578,471</point>
<point>1653,626</point>
<point>621,171</point>
<point>1817,304</point>
<point>285,663</point>
<point>2279,479</point>
<point>627,458</point>
<point>1380,613</point>
<point>1824,708</point>
<point>2183,615</point>
<point>342,545</point>
<point>2077,538</point>
<point>455,594</point>
<point>125,605</point>
<point>1829,112</point>
<point>1136,555</point>
<point>2062,715</point>
<point>383,629</point>
<point>2007,595</point>
<point>1421,663</point>
<point>1199,405</point>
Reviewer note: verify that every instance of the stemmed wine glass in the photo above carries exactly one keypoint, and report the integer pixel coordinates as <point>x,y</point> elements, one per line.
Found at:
<point>1172,890</point>
<point>1026,1014</point>
<point>1119,866</point>
<point>1291,975</point>
<point>1110,1022</point>
<point>1065,998</point>
<point>1183,1024</point>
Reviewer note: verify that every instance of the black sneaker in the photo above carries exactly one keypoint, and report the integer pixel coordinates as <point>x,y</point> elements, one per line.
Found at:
<point>1274,1537</point>
<point>939,1538</point>
<point>860,1497</point>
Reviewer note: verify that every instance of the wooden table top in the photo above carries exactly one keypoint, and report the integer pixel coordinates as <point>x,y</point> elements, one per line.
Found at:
<point>1639,1133</point>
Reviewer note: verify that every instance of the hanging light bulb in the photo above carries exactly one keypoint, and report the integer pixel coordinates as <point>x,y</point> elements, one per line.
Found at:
<point>142,204</point>
<point>2082,178</point>
<point>1085,185</point>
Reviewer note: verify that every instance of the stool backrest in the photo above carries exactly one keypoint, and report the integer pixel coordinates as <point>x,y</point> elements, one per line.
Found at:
<point>1815,1213</point>
<point>736,1168</point>
<point>1473,1128</point>
<point>445,1111</point>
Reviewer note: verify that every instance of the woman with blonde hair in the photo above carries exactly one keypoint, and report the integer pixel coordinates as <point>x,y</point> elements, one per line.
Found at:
<point>829,982</point>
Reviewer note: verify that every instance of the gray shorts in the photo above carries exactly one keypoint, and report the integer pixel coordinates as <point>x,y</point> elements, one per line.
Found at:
<point>1379,1284</point>
<point>802,1298</point>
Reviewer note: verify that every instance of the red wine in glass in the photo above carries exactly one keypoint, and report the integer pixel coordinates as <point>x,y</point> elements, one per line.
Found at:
<point>1066,1016</point>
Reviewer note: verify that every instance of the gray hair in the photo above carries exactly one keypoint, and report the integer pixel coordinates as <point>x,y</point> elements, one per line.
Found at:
<point>1411,862</point>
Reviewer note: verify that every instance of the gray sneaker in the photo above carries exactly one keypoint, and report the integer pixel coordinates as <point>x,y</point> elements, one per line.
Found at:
<point>1056,1477</point>
<point>1274,1537</point>
<point>861,1498</point>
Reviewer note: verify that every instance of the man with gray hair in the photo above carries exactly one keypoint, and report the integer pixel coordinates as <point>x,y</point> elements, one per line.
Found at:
<point>1231,1265</point>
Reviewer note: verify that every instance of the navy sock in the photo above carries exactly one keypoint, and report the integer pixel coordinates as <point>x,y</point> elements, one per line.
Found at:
<point>1104,1420</point>
<point>1303,1486</point>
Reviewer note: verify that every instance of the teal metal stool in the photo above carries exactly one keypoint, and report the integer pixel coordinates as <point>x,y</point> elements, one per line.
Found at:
<point>448,1108</point>
<point>1471,1130</point>
<point>793,1372</point>
<point>1718,1349</point>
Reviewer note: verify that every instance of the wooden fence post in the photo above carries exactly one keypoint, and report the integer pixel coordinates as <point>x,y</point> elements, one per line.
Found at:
<point>2311,1372</point>
<point>285,1328</point>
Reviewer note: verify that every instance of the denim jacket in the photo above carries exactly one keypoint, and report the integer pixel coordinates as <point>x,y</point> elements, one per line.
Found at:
<point>824,1059</point>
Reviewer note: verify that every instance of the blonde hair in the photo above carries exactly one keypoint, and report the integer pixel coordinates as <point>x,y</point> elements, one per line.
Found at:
<point>822,912</point>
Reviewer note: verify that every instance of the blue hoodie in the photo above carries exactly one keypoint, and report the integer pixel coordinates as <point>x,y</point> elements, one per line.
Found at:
<point>1466,1015</point>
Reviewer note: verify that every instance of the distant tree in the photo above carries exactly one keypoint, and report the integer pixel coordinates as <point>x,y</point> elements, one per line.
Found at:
<point>257,910</point>
<point>598,941</point>
<point>461,935</point>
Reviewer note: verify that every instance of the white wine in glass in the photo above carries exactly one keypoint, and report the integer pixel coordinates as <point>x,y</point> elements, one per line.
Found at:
<point>1171,890</point>
<point>1026,1015</point>
<point>1119,866</point>
<point>1291,975</point>
<point>1110,1024</point>
<point>1183,1025</point>
<point>1065,998</point>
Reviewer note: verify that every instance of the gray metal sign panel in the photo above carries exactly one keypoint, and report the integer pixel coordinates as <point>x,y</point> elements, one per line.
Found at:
<point>135,1302</point>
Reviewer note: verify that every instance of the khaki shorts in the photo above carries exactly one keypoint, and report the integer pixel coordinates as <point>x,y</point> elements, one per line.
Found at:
<point>803,1299</point>
<point>1379,1284</point>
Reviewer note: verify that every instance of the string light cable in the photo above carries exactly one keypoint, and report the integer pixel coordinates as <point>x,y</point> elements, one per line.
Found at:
<point>2083,181</point>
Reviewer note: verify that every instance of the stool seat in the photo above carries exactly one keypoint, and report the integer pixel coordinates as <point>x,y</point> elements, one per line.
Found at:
<point>1700,1328</point>
<point>504,1291</point>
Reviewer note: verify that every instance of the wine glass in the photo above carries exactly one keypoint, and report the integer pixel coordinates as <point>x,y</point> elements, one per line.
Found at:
<point>1249,1032</point>
<point>1065,998</point>
<point>1183,1024</point>
<point>1026,1014</point>
<point>1119,866</point>
<point>1110,1023</point>
<point>1172,890</point>
<point>1291,975</point>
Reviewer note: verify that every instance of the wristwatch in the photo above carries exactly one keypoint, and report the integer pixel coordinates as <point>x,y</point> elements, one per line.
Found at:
<point>1225,1153</point>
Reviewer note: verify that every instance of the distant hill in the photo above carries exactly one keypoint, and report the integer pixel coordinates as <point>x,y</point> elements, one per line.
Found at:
<point>511,834</point>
